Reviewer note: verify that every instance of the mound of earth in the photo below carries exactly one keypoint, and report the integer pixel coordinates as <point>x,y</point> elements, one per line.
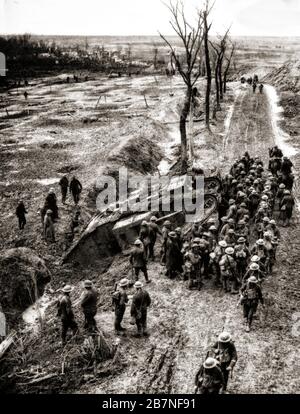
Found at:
<point>23,276</point>
<point>286,77</point>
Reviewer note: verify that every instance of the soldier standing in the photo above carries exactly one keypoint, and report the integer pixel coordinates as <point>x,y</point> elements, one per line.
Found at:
<point>120,299</point>
<point>154,230</point>
<point>144,237</point>
<point>225,352</point>
<point>49,233</point>
<point>209,379</point>
<point>165,232</point>
<point>65,313</point>
<point>138,260</point>
<point>140,303</point>
<point>89,306</point>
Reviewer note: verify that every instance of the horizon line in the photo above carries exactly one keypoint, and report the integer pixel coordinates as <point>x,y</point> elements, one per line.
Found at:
<point>139,35</point>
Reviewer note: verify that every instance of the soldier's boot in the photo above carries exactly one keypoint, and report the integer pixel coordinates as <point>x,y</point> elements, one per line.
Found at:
<point>234,287</point>
<point>225,285</point>
<point>248,327</point>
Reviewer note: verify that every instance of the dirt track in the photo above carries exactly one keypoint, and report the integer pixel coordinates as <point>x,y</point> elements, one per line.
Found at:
<point>184,323</point>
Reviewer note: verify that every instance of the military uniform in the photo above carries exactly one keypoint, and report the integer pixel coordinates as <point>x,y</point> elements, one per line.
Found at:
<point>140,303</point>
<point>120,299</point>
<point>89,307</point>
<point>226,354</point>
<point>139,261</point>
<point>65,312</point>
<point>210,381</point>
<point>252,295</point>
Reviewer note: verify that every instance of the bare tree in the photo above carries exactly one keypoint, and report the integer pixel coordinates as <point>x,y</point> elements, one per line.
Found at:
<point>227,67</point>
<point>207,28</point>
<point>220,50</point>
<point>190,71</point>
<point>155,56</point>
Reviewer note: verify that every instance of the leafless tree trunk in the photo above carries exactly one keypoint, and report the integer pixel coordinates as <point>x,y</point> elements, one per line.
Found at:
<point>208,66</point>
<point>155,55</point>
<point>228,59</point>
<point>190,71</point>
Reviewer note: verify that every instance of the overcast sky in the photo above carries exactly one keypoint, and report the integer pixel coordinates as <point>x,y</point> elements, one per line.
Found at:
<point>144,17</point>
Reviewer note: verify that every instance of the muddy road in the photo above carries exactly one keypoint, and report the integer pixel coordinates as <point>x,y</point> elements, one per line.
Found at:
<point>184,323</point>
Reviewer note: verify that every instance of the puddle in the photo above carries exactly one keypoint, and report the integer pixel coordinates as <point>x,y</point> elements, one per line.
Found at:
<point>48,181</point>
<point>281,137</point>
<point>35,313</point>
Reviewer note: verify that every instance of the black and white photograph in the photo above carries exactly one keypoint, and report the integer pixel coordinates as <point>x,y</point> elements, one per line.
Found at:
<point>149,200</point>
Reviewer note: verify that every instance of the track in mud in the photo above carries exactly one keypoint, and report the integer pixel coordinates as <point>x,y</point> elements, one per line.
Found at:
<point>184,323</point>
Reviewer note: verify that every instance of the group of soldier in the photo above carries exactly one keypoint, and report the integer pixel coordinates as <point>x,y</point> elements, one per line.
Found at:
<point>49,211</point>
<point>236,251</point>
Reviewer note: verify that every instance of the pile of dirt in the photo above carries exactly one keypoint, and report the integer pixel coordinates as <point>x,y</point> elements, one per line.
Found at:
<point>141,155</point>
<point>286,77</point>
<point>23,276</point>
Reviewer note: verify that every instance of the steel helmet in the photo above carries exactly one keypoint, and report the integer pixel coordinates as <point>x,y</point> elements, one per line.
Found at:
<point>224,337</point>
<point>123,282</point>
<point>87,283</point>
<point>229,250</point>
<point>210,363</point>
<point>67,289</point>
<point>252,279</point>
<point>172,234</point>
<point>254,266</point>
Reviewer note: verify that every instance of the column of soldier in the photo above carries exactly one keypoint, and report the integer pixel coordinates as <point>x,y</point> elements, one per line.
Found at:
<point>222,251</point>
<point>238,253</point>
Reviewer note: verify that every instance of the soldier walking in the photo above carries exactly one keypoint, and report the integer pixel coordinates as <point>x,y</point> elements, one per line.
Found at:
<point>75,189</point>
<point>64,185</point>
<point>209,379</point>
<point>20,213</point>
<point>225,353</point>
<point>251,296</point>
